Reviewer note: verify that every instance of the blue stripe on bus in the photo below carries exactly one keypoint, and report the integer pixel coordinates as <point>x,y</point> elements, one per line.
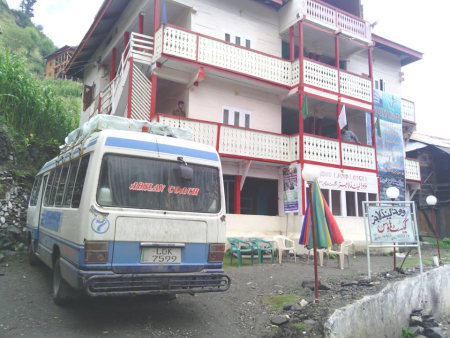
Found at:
<point>51,220</point>
<point>164,148</point>
<point>94,141</point>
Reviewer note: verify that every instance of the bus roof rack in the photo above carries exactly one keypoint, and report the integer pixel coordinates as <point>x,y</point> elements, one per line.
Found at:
<point>102,122</point>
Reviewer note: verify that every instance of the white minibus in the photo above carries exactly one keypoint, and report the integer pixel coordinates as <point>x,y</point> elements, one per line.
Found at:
<point>130,213</point>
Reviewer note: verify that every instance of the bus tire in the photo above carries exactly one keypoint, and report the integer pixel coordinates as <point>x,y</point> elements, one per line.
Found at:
<point>62,292</point>
<point>32,258</point>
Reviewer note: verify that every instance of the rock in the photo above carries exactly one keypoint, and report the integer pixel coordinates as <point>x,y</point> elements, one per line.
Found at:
<point>427,312</point>
<point>2,257</point>
<point>350,283</point>
<point>365,283</point>
<point>280,292</point>
<point>415,320</point>
<point>434,332</point>
<point>279,320</point>
<point>311,285</point>
<point>296,307</point>
<point>416,330</point>
<point>2,219</point>
<point>429,324</point>
<point>417,311</point>
<point>287,306</point>
<point>303,303</point>
<point>428,318</point>
<point>309,322</point>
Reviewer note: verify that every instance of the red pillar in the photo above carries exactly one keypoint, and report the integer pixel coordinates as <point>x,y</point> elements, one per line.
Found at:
<point>154,82</point>
<point>141,23</point>
<point>291,43</point>
<point>112,73</point>
<point>300,104</point>
<point>237,194</point>
<point>126,39</point>
<point>156,15</point>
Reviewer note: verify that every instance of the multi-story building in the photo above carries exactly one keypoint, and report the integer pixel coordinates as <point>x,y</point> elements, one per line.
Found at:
<point>57,61</point>
<point>245,69</point>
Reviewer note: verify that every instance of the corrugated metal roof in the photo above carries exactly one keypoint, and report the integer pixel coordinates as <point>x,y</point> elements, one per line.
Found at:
<point>431,140</point>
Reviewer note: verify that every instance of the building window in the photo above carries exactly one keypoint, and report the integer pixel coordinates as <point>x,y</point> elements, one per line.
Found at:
<point>237,117</point>
<point>380,84</point>
<point>88,96</point>
<point>239,39</point>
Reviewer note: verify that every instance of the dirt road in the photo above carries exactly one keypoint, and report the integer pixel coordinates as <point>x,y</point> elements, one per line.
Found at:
<point>27,309</point>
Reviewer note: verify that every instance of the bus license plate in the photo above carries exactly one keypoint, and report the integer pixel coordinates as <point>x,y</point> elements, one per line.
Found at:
<point>161,255</point>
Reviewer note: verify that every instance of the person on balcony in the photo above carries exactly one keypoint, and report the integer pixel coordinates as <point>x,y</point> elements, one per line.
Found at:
<point>349,136</point>
<point>180,111</point>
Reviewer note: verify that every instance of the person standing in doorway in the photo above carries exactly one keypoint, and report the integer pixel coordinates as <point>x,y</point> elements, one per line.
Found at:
<point>180,111</point>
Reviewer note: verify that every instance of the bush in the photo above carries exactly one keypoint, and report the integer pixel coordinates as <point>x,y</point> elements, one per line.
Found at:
<point>28,105</point>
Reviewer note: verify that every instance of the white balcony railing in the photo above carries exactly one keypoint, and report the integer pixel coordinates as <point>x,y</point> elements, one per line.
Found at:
<point>254,144</point>
<point>355,86</point>
<point>408,111</point>
<point>412,170</point>
<point>333,18</point>
<point>354,155</point>
<point>249,143</point>
<point>319,149</point>
<point>182,43</point>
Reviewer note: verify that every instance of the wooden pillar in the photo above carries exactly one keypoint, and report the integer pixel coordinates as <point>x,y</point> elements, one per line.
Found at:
<point>141,23</point>
<point>300,105</point>
<point>126,39</point>
<point>237,194</point>
<point>156,15</point>
<point>112,73</point>
<point>154,82</point>
<point>291,43</point>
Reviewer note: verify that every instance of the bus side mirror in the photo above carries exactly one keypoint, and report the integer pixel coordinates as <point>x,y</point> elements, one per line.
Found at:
<point>185,173</point>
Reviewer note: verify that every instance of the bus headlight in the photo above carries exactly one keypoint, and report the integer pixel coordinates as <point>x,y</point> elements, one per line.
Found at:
<point>216,253</point>
<point>96,252</point>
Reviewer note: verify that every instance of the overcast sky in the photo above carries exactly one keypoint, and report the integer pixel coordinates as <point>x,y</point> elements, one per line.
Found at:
<point>412,23</point>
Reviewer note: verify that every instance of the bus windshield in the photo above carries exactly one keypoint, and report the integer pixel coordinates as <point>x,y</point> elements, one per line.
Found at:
<point>147,183</point>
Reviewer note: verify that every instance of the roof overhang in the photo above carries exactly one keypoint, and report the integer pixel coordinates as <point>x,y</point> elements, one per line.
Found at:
<point>106,17</point>
<point>59,51</point>
<point>407,55</point>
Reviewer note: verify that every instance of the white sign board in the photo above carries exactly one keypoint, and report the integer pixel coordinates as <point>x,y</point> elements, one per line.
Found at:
<point>347,180</point>
<point>390,224</point>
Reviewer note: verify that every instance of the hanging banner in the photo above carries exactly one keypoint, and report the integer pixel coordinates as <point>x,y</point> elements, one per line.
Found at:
<point>369,128</point>
<point>389,136</point>
<point>291,189</point>
<point>390,224</point>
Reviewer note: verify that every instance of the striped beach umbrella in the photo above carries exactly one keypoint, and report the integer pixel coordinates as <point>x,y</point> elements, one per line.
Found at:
<point>326,228</point>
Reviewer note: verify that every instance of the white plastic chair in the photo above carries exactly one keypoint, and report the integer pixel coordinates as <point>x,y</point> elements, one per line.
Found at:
<point>281,245</point>
<point>342,253</point>
<point>319,253</point>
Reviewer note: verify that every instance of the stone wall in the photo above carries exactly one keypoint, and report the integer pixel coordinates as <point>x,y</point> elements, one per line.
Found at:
<point>385,313</point>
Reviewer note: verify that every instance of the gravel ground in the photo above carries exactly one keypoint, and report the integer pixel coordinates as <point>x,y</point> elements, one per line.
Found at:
<point>246,310</point>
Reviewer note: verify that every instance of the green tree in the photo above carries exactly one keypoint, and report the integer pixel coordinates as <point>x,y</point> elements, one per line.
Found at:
<point>34,36</point>
<point>46,46</point>
<point>27,7</point>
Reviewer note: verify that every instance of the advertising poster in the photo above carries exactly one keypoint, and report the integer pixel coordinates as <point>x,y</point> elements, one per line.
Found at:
<point>389,136</point>
<point>291,189</point>
<point>390,224</point>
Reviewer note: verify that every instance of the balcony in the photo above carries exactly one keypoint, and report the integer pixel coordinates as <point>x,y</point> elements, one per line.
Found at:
<point>231,141</point>
<point>408,111</point>
<point>335,19</point>
<point>412,170</point>
<point>221,55</point>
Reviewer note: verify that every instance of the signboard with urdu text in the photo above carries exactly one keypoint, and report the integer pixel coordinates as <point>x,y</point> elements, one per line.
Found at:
<point>390,224</point>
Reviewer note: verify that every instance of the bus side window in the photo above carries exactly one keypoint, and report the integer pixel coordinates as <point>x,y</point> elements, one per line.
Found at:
<point>71,183</point>
<point>48,190</point>
<point>35,191</point>
<point>61,186</point>
<point>79,183</point>
<point>54,187</point>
